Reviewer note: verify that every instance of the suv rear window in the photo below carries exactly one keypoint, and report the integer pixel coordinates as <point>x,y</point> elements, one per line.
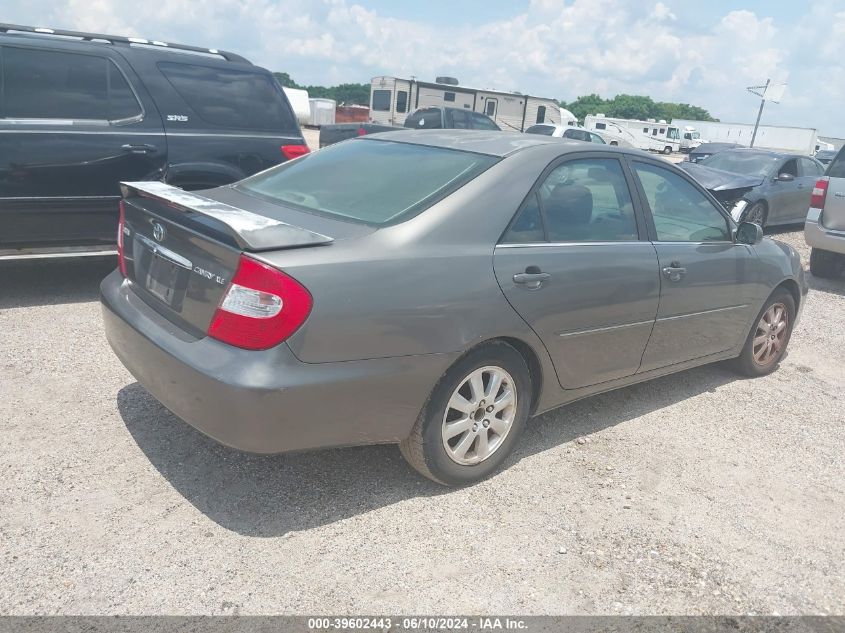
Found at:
<point>370,180</point>
<point>836,169</point>
<point>42,84</point>
<point>231,98</point>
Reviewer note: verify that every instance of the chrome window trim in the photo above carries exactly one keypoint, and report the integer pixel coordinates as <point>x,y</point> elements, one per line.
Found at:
<point>546,244</point>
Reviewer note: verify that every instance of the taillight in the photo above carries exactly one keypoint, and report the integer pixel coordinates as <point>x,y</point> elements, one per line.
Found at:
<point>819,193</point>
<point>362,131</point>
<point>261,308</point>
<point>121,256</point>
<point>294,151</point>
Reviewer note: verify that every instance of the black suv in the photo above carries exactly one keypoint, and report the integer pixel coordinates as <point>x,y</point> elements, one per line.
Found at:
<point>80,112</point>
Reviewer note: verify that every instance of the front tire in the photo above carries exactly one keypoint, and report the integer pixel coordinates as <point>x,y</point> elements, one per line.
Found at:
<point>825,264</point>
<point>667,150</point>
<point>757,214</point>
<point>473,417</point>
<point>766,343</point>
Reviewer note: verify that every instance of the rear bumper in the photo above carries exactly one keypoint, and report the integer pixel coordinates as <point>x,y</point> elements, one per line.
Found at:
<point>268,401</point>
<point>819,237</point>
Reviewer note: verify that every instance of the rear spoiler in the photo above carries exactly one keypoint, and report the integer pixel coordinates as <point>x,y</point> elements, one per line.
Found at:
<point>250,231</point>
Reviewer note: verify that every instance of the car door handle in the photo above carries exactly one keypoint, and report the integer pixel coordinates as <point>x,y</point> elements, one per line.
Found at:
<point>139,149</point>
<point>532,278</point>
<point>674,272</point>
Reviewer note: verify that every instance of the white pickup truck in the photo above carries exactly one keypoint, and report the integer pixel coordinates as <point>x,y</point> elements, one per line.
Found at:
<point>824,229</point>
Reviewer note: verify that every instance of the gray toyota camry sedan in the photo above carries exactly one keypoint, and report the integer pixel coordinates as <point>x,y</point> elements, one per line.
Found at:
<point>435,290</point>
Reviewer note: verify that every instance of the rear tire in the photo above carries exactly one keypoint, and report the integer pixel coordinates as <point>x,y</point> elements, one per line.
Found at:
<point>667,150</point>
<point>766,343</point>
<point>825,264</point>
<point>461,435</point>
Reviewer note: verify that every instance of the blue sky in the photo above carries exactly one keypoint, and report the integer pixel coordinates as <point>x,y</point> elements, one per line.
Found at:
<point>704,53</point>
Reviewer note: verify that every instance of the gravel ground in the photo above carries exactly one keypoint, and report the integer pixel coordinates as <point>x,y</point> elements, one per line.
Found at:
<point>695,493</point>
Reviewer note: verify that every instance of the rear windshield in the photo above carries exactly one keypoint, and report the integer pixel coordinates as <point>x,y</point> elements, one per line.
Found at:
<point>231,98</point>
<point>745,163</point>
<point>836,169</point>
<point>371,181</point>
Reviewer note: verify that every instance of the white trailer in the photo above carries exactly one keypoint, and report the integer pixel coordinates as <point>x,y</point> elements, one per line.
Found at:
<point>655,136</point>
<point>801,140</point>
<point>299,102</point>
<point>393,98</point>
<point>322,112</point>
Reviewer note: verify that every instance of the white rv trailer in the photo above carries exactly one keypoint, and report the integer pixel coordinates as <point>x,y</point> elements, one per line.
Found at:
<point>656,136</point>
<point>801,140</point>
<point>392,99</point>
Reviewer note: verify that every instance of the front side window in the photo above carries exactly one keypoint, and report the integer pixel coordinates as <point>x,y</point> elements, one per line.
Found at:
<point>595,138</point>
<point>42,84</point>
<point>681,212</point>
<point>376,182</point>
<point>809,168</point>
<point>401,101</point>
<point>587,200</point>
<point>381,100</point>
<point>481,122</point>
<point>231,98</point>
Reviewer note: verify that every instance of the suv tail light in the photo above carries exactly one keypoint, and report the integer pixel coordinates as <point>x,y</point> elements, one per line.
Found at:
<point>121,256</point>
<point>261,308</point>
<point>819,193</point>
<point>294,151</point>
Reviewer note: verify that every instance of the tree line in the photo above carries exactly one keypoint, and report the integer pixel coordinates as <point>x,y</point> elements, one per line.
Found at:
<point>621,106</point>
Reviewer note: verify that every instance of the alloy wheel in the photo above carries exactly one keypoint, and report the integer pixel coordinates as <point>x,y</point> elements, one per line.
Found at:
<point>479,416</point>
<point>770,336</point>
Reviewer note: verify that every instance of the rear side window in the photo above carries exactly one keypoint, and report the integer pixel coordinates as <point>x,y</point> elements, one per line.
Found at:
<point>369,180</point>
<point>381,100</point>
<point>231,98</point>
<point>425,119</point>
<point>460,119</point>
<point>545,130</point>
<point>836,169</point>
<point>42,84</point>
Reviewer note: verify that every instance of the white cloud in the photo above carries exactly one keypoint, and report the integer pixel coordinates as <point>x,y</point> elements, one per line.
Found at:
<point>554,48</point>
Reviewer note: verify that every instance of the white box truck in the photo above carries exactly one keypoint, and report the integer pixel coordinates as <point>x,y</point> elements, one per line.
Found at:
<point>801,140</point>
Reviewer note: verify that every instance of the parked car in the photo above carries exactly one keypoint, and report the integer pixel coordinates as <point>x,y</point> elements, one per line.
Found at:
<point>705,150</point>
<point>83,111</point>
<point>762,186</point>
<point>824,229</point>
<point>508,275</point>
<point>566,131</point>
<point>432,118</point>
<point>825,156</point>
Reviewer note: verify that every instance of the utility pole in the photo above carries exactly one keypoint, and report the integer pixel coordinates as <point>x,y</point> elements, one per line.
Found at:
<point>760,111</point>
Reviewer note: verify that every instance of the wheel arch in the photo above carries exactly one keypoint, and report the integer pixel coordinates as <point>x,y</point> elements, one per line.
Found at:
<point>532,360</point>
<point>792,287</point>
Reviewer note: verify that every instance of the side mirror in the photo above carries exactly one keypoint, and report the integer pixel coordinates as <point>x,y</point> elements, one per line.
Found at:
<point>784,177</point>
<point>749,233</point>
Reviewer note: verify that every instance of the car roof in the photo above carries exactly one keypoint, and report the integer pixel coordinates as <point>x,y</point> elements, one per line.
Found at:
<point>483,142</point>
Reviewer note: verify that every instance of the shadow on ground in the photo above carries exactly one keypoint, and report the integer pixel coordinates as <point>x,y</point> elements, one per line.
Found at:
<point>37,282</point>
<point>272,495</point>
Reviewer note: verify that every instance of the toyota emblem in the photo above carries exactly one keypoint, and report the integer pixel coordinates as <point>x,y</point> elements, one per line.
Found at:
<point>158,231</point>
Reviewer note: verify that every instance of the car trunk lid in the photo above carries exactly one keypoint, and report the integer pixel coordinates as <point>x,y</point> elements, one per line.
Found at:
<point>182,248</point>
<point>833,212</point>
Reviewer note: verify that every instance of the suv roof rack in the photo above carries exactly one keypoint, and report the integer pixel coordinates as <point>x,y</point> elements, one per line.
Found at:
<point>118,39</point>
